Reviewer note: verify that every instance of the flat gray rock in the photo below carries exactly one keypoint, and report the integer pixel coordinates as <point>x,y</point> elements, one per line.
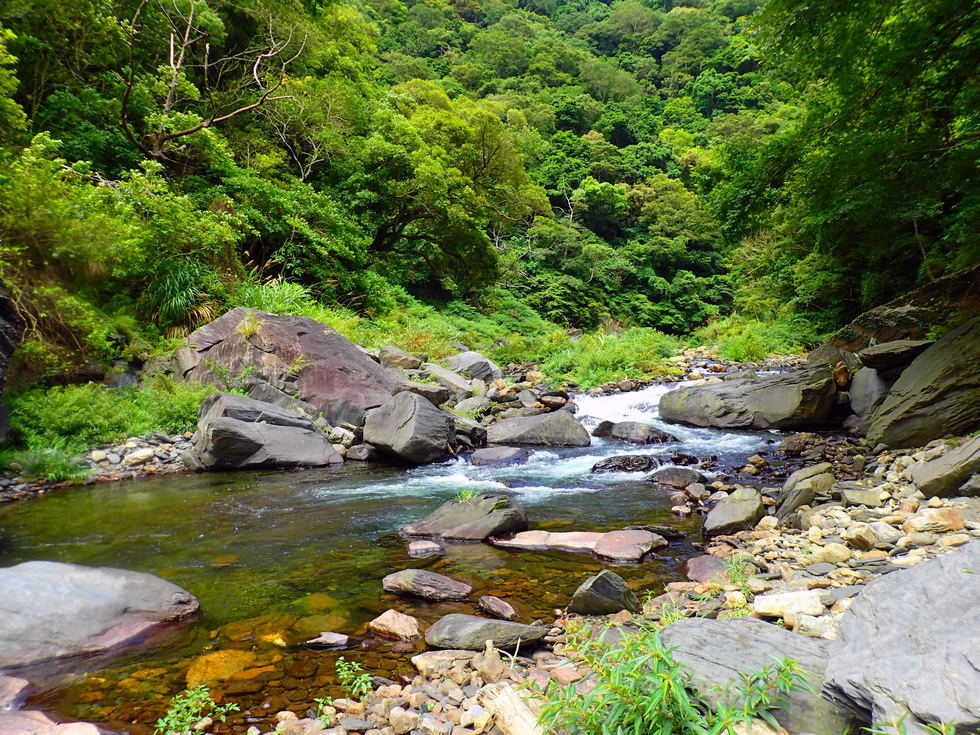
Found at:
<point>557,429</point>
<point>475,365</point>
<point>909,646</point>
<point>796,400</point>
<point>471,632</point>
<point>51,611</point>
<point>740,511</point>
<point>499,456</point>
<point>605,593</point>
<point>947,475</point>
<point>425,584</point>
<point>719,652</point>
<point>895,354</point>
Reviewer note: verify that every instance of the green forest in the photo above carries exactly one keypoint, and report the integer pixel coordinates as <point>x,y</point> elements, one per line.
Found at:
<point>497,172</point>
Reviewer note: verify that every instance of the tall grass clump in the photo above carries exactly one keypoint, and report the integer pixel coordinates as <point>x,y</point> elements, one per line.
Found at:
<point>595,359</point>
<point>745,339</point>
<point>49,465</point>
<point>642,689</point>
<point>74,418</point>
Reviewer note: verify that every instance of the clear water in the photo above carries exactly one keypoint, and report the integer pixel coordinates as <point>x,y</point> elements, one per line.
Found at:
<point>315,544</point>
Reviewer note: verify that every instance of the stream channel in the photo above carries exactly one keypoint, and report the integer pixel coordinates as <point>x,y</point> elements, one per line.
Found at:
<point>277,557</point>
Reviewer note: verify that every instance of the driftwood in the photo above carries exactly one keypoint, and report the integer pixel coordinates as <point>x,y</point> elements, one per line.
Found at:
<point>511,713</point>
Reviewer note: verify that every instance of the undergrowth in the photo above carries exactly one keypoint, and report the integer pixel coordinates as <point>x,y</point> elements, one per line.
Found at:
<point>745,339</point>
<point>642,689</point>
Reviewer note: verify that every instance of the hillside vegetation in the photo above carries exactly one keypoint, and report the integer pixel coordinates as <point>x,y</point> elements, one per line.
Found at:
<point>494,171</point>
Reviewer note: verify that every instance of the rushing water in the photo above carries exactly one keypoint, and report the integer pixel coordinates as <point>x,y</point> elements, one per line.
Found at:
<point>313,546</point>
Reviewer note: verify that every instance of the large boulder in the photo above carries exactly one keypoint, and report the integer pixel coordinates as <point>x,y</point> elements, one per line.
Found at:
<point>739,511</point>
<point>51,611</point>
<point>635,432</point>
<point>944,476</point>
<point>425,584</point>
<point>718,653</point>
<point>300,356</point>
<point>476,519</point>
<point>891,355</point>
<point>938,394</point>
<point>471,633</point>
<point>799,399</point>
<point>475,365</point>
<point>605,593</point>
<point>238,432</point>
<point>10,326</point>
<point>410,428</point>
<point>557,429</point>
<point>908,648</point>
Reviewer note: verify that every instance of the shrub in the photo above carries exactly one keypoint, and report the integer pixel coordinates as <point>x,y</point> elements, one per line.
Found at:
<point>78,417</point>
<point>190,707</point>
<point>750,340</point>
<point>641,688</point>
<point>600,358</point>
<point>49,465</point>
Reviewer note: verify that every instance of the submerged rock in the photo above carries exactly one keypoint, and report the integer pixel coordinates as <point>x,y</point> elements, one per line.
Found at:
<point>471,520</point>
<point>799,399</point>
<point>626,545</point>
<point>556,429</point>
<point>50,610</point>
<point>471,633</point>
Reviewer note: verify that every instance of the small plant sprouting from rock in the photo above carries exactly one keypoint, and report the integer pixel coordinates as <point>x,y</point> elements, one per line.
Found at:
<point>190,707</point>
<point>232,383</point>
<point>465,496</point>
<point>738,570</point>
<point>296,366</point>
<point>249,326</point>
<point>641,688</point>
<point>353,677</point>
<point>324,711</point>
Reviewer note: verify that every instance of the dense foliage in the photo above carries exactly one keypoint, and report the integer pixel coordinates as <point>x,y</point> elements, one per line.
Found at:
<point>593,164</point>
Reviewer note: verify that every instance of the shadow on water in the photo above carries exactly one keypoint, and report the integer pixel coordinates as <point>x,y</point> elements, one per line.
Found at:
<point>277,557</point>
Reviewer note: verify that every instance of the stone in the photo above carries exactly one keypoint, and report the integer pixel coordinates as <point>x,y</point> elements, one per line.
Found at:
<point>626,545</point>
<point>556,429</point>
<point>13,691</point>
<point>475,365</point>
<point>475,406</point>
<point>458,386</point>
<point>393,357</point>
<point>635,432</point>
<point>861,536</point>
<point>679,477</point>
<point>215,668</point>
<point>895,354</point>
<point>934,520</point>
<point>604,594</point>
<point>740,511</point>
<point>335,377</point>
<point>328,640</point>
<point>867,390</point>
<point>395,625</point>
<point>410,428</point>
<point>499,456</point>
<point>497,607</point>
<point>36,723</point>
<point>705,568</point>
<point>138,457</point>
<point>489,665</point>
<point>794,400</point>
<point>907,646</point>
<point>470,632</point>
<point>363,453</point>
<point>720,653</point>
<point>420,549</point>
<point>802,487</point>
<point>432,392</point>
<point>51,611</point>
<point>828,355</point>
<point>403,721</point>
<point>853,494</point>
<point>471,520</point>
<point>938,394</point>
<point>830,554</point>
<point>625,463</point>
<point>787,605</point>
<point>436,664</point>
<point>944,476</point>
<point>238,432</point>
<point>425,584</point>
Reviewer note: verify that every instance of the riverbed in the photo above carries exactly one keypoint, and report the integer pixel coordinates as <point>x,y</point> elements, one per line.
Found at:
<point>277,557</point>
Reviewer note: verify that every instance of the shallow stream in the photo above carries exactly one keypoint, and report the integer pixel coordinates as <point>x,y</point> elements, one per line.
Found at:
<point>277,557</point>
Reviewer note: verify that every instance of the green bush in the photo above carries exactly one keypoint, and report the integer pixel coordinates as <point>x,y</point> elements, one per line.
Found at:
<point>641,688</point>
<point>750,340</point>
<point>595,359</point>
<point>49,465</point>
<point>78,417</point>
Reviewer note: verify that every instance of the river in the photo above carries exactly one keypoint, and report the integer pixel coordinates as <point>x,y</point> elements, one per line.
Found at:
<point>305,551</point>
